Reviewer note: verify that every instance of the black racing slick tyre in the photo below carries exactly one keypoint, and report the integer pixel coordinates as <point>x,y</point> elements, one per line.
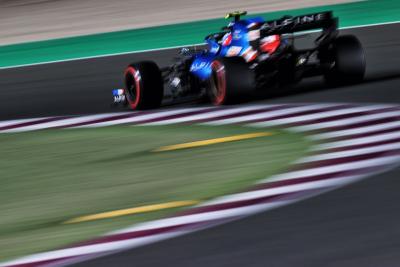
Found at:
<point>144,86</point>
<point>230,81</point>
<point>347,60</point>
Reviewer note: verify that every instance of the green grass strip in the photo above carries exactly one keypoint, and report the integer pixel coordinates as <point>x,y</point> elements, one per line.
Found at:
<point>49,177</point>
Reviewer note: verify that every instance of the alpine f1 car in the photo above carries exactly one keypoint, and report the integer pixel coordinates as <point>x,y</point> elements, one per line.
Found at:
<point>247,56</point>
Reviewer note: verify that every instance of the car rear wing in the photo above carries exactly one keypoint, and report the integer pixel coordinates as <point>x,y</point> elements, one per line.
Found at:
<point>287,25</point>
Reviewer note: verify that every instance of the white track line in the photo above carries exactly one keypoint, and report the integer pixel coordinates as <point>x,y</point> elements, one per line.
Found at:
<point>14,122</point>
<point>319,115</point>
<point>349,121</point>
<point>211,115</point>
<point>270,114</point>
<point>333,168</point>
<point>352,152</point>
<point>282,190</point>
<point>62,123</point>
<point>201,217</point>
<point>366,129</point>
<point>85,250</point>
<point>345,122</point>
<point>357,141</point>
<point>141,118</point>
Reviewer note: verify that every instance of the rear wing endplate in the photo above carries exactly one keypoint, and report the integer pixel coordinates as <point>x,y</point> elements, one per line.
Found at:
<point>287,24</point>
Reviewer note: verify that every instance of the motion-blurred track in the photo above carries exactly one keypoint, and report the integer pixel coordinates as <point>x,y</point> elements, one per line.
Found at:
<point>354,226</point>
<point>84,86</point>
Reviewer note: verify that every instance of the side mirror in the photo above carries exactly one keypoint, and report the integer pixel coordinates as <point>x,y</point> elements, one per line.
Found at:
<point>184,51</point>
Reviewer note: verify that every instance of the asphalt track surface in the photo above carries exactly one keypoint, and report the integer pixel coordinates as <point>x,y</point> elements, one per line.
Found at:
<point>353,226</point>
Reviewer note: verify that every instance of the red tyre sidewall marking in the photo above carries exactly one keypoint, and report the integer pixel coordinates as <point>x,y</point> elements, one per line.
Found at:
<point>136,76</point>
<point>220,97</point>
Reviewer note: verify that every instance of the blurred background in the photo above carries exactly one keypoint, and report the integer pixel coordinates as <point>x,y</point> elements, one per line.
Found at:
<point>32,20</point>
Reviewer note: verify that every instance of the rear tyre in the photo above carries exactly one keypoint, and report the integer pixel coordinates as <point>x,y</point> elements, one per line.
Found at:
<point>347,60</point>
<point>144,86</point>
<point>230,81</point>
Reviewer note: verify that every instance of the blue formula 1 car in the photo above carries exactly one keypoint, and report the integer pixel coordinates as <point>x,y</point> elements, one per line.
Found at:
<point>247,56</point>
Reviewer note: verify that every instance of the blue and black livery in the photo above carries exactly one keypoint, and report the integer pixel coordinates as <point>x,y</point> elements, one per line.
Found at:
<point>248,56</point>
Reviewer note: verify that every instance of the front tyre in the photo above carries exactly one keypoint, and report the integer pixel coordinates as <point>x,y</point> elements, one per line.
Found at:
<point>144,86</point>
<point>230,81</point>
<point>347,61</point>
